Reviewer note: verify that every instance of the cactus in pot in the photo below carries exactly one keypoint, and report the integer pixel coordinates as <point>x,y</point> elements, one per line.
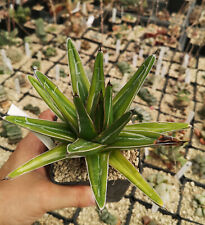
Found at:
<point>95,125</point>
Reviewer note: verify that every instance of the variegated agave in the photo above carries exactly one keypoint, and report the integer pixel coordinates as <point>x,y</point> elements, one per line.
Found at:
<point>95,125</point>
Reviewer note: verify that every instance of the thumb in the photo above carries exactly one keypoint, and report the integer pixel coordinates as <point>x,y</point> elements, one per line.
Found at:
<point>60,196</point>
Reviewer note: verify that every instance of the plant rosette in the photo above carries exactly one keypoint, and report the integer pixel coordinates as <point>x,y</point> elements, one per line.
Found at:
<point>95,125</point>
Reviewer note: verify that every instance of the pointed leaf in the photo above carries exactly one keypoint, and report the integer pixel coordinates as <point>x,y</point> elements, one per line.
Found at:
<point>85,124</point>
<point>97,166</point>
<point>82,147</point>
<point>131,140</point>
<point>80,82</point>
<point>120,163</point>
<point>50,128</point>
<point>65,106</point>
<point>108,109</point>
<point>97,84</point>
<point>109,135</point>
<point>46,158</point>
<point>124,97</point>
<point>45,96</point>
<point>160,127</point>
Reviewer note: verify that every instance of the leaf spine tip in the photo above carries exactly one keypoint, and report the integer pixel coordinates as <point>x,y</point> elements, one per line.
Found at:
<point>100,47</point>
<point>3,115</point>
<point>109,83</point>
<point>75,95</point>
<point>156,52</point>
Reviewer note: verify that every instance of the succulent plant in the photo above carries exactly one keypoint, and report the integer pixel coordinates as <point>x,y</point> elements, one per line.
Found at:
<point>36,64</point>
<point>21,15</point>
<point>146,96</point>
<point>141,115</point>
<point>170,155</point>
<point>12,132</point>
<point>198,165</point>
<point>199,204</point>
<point>40,31</point>
<point>95,125</point>
<point>62,73</point>
<point>8,38</point>
<point>33,109</point>
<point>182,99</point>
<point>124,67</point>
<point>49,52</point>
<point>106,217</point>
<point>160,183</point>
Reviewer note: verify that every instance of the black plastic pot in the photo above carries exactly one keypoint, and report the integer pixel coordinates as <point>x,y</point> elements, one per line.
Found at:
<point>115,188</point>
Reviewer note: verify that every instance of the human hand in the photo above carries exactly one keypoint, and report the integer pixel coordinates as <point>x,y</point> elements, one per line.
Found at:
<point>25,199</point>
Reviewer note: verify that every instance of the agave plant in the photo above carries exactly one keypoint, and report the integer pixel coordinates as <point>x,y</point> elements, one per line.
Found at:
<point>95,125</point>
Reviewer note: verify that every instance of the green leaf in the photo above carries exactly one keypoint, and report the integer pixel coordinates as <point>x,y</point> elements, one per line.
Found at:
<point>108,110</point>
<point>57,130</point>
<point>45,96</point>
<point>97,166</point>
<point>109,135</point>
<point>82,147</point>
<point>120,163</point>
<point>124,97</point>
<point>46,158</point>
<point>160,127</point>
<point>65,106</point>
<point>85,124</point>
<point>130,140</point>
<point>97,84</point>
<point>98,114</point>
<point>79,79</point>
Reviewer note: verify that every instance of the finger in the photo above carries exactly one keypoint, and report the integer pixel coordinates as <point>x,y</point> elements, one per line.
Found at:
<point>68,196</point>
<point>47,115</point>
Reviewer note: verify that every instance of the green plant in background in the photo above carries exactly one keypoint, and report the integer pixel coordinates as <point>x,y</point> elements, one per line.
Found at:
<point>124,67</point>
<point>40,31</point>
<point>198,165</point>
<point>95,125</point>
<point>8,38</point>
<point>160,183</point>
<point>33,109</point>
<point>199,204</point>
<point>146,96</point>
<point>12,132</point>
<point>141,115</point>
<point>21,15</point>
<point>49,52</point>
<point>62,73</point>
<point>36,64</point>
<point>182,99</point>
<point>106,217</point>
<point>170,155</point>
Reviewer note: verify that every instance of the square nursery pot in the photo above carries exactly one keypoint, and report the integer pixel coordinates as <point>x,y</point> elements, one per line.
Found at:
<point>73,172</point>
